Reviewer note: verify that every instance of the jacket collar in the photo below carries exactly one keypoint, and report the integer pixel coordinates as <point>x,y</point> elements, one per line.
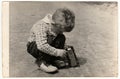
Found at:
<point>48,19</point>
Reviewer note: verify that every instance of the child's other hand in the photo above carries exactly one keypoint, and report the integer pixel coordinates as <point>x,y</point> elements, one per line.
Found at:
<point>61,52</point>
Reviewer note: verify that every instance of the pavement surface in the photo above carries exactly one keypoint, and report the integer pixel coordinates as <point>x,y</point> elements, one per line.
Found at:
<point>94,38</point>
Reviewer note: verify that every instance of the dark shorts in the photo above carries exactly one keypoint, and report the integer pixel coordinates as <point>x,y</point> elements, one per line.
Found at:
<point>58,43</point>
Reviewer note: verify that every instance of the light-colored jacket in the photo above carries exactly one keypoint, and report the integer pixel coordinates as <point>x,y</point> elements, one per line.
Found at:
<point>43,35</point>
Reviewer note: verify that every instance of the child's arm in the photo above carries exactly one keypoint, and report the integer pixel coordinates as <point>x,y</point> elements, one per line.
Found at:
<point>42,44</point>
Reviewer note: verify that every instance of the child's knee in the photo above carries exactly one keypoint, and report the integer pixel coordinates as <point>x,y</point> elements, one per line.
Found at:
<point>62,37</point>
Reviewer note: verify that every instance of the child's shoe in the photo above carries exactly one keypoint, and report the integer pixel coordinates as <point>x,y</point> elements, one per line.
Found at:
<point>48,68</point>
<point>60,64</point>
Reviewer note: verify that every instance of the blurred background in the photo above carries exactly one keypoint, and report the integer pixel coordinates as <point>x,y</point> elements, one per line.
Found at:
<point>94,38</point>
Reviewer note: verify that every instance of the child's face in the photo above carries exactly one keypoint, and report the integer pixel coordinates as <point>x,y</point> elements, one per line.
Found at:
<point>60,22</point>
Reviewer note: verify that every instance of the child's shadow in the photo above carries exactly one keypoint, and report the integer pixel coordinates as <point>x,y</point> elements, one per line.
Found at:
<point>82,60</point>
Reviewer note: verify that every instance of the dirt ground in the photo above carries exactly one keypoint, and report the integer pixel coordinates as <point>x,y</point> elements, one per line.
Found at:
<point>94,38</point>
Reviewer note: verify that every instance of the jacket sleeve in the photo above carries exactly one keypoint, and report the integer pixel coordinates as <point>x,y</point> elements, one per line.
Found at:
<point>41,40</point>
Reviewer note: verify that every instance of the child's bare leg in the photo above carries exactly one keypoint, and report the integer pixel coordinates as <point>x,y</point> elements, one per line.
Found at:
<point>58,43</point>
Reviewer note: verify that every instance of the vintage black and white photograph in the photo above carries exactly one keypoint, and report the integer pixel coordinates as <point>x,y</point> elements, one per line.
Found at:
<point>63,39</point>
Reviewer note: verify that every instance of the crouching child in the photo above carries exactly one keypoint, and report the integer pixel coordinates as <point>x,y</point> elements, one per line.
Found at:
<point>46,41</point>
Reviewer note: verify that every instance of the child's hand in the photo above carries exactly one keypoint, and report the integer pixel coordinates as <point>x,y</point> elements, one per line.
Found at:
<point>61,52</point>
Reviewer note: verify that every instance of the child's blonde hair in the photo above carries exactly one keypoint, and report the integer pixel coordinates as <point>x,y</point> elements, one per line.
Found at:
<point>69,18</point>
